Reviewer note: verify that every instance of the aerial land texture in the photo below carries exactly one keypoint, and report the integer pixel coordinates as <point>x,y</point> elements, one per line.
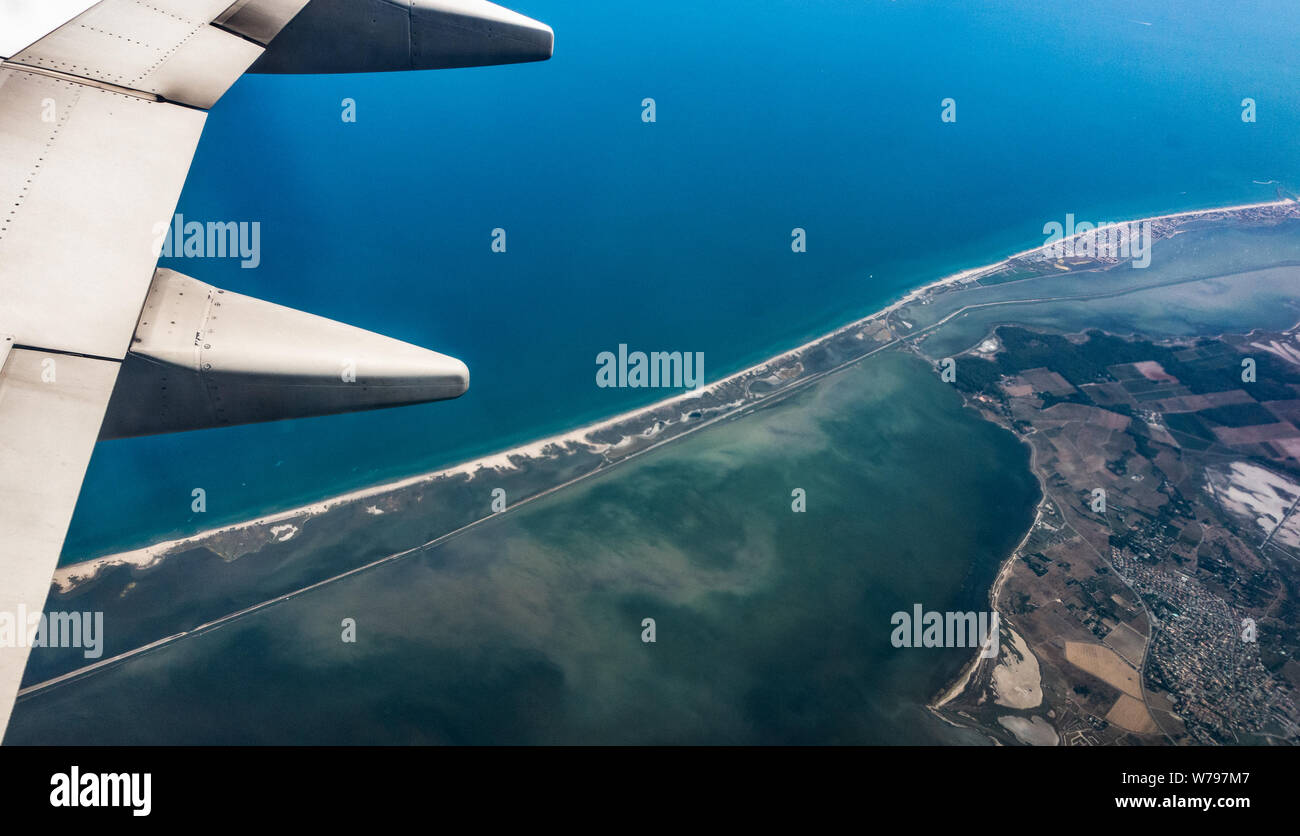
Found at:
<point>1157,587</point>
<point>1168,613</point>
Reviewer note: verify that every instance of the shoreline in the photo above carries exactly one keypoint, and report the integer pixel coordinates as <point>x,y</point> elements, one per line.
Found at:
<point>957,687</point>
<point>68,576</point>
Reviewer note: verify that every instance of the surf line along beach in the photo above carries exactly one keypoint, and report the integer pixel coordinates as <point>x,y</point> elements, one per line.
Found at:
<point>630,431</point>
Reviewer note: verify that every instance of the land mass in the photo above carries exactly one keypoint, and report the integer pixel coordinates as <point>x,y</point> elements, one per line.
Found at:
<point>1156,591</point>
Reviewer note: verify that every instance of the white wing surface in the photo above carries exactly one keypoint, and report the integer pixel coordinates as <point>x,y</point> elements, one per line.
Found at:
<point>99,120</point>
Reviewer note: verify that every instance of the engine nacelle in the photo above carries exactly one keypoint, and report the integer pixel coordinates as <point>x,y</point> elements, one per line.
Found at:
<point>203,357</point>
<point>362,36</point>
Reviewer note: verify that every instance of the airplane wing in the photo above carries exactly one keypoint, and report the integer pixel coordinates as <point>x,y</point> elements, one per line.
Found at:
<point>101,107</point>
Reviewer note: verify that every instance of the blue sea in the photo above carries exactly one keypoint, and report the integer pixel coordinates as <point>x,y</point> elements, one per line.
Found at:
<point>675,235</point>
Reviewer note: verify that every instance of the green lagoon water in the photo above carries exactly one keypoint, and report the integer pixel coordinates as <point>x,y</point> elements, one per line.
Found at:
<point>771,626</point>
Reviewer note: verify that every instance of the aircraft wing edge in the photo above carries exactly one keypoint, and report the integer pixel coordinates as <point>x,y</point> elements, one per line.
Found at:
<point>51,408</point>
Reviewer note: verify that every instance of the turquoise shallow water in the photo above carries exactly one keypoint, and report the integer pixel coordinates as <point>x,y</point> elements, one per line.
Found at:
<point>822,115</point>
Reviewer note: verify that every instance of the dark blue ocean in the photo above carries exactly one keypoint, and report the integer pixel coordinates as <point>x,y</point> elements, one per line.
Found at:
<point>821,114</point>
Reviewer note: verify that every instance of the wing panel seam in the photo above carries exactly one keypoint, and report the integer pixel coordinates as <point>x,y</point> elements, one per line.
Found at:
<point>34,172</point>
<point>65,352</point>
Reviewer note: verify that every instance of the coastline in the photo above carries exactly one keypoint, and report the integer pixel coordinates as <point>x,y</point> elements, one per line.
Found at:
<point>938,705</point>
<point>68,576</point>
<point>959,685</point>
